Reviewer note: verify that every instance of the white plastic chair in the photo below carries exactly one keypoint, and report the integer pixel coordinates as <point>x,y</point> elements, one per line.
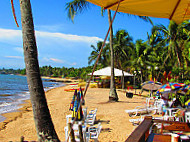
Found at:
<point>91,117</point>
<point>93,132</point>
<point>187,117</point>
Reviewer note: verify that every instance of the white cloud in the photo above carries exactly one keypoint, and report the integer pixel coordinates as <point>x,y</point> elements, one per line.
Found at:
<point>53,48</point>
<point>60,37</point>
<point>8,34</point>
<point>14,57</point>
<point>56,60</point>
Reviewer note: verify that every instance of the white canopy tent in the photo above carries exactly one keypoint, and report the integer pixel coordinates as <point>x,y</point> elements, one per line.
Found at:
<point>107,72</point>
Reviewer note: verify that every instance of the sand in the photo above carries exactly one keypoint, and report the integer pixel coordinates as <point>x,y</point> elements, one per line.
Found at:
<point>114,120</point>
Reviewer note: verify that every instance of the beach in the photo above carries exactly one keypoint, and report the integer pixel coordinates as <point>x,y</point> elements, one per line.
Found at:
<point>112,116</point>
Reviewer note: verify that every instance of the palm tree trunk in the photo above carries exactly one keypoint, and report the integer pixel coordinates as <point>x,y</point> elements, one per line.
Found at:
<point>44,126</point>
<point>113,94</point>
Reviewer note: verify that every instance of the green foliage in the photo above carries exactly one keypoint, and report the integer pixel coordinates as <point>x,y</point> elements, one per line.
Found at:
<point>187,82</point>
<point>55,71</point>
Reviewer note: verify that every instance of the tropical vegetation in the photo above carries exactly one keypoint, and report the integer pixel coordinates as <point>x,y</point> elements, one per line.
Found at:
<point>166,51</point>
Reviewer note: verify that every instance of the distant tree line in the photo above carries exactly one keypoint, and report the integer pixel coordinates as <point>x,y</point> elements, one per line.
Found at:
<point>54,71</point>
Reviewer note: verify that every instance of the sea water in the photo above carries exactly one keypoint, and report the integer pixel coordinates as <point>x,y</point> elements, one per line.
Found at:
<point>14,90</point>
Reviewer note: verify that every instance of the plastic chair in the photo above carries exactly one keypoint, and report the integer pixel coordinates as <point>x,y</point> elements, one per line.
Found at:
<point>187,117</point>
<point>91,117</point>
<point>93,132</point>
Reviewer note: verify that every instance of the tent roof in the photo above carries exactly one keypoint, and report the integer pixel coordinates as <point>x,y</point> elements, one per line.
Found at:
<point>177,10</point>
<point>107,72</point>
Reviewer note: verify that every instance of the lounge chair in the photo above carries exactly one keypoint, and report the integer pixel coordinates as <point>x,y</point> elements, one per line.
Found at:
<point>144,109</point>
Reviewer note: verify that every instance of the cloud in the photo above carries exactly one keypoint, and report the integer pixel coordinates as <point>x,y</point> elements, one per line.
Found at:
<point>9,34</point>
<point>61,37</point>
<point>56,60</point>
<point>14,57</point>
<point>59,61</point>
<point>54,48</point>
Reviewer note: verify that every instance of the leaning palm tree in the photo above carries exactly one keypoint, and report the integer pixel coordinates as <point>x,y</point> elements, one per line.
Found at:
<point>44,126</point>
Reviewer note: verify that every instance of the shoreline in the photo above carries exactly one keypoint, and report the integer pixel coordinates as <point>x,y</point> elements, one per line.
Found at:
<point>26,106</point>
<point>59,100</point>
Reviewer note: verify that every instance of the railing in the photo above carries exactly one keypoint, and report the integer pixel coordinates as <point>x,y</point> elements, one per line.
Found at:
<point>141,133</point>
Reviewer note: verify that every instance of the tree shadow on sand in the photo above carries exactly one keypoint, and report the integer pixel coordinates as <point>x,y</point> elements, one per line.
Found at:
<point>103,122</point>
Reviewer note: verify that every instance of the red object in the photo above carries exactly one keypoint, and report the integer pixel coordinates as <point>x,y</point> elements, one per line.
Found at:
<point>74,89</point>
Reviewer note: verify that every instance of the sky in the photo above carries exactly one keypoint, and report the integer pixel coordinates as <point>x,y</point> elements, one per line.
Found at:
<point>61,42</point>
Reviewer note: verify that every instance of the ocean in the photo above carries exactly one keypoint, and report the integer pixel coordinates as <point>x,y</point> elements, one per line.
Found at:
<point>14,90</point>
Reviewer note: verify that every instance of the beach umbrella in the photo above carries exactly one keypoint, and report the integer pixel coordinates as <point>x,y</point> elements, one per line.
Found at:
<point>176,10</point>
<point>184,90</point>
<point>169,87</point>
<point>151,85</point>
<point>187,103</point>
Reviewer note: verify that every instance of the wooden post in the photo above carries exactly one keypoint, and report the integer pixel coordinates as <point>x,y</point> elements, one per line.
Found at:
<point>80,133</point>
<point>71,132</point>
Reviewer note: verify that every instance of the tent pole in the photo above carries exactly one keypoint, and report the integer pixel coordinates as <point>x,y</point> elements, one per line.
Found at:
<point>101,50</point>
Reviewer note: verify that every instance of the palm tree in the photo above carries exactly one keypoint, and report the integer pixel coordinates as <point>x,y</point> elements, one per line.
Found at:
<point>123,47</point>
<point>112,94</point>
<point>77,6</point>
<point>155,52</point>
<point>104,58</point>
<point>44,126</point>
<point>176,37</point>
<point>139,58</point>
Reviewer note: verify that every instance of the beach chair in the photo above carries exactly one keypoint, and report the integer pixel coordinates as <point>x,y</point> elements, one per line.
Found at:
<point>147,108</point>
<point>91,117</point>
<point>93,111</point>
<point>93,132</point>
